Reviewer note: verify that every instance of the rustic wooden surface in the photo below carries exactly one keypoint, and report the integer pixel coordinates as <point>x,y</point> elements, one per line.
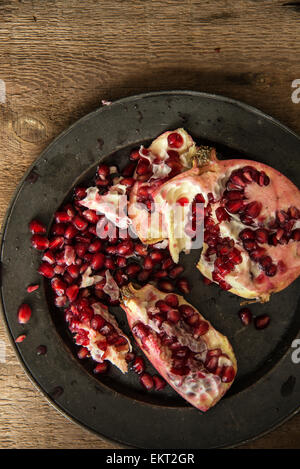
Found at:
<point>59,58</point>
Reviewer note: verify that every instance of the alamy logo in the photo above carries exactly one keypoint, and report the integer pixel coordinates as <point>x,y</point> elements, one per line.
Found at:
<point>296,353</point>
<point>295,97</point>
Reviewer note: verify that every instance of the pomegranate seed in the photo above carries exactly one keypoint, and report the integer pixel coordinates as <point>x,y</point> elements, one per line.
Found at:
<point>73,270</point>
<point>103,171</point>
<point>157,256</point>
<point>201,329</point>
<point>172,300</point>
<point>58,286</point>
<point>36,227</point>
<point>176,271</point>
<point>24,313</point>
<point>98,261</point>
<point>138,365</point>
<point>182,371</point>
<point>72,292</point>
<point>282,267</point>
<point>39,242</point>
<point>159,383</point>
<point>228,374</point>
<point>294,213</point>
<point>182,201</point>
<point>58,229</point>
<point>148,263</point>
<point>125,248</point>
<point>46,270</point>
<point>296,234</point>
<point>187,310</point>
<point>32,288</point>
<point>129,182</point>
<point>60,301</point>
<point>101,368</point>
<point>265,262</point>
<point>102,345</point>
<point>91,216</point>
<point>80,223</point>
<point>129,357</point>
<point>173,315</point>
<point>147,381</point>
<point>97,322</point>
<point>56,243</point>
<point>262,321</point>
<point>140,330</point>
<point>271,270</point>
<point>142,167</point>
<point>234,206</point>
<point>211,364</point>
<point>135,155</point>
<point>82,353</point>
<point>141,249</point>
<point>129,169</point>
<point>62,217</point>
<point>253,209</point>
<point>222,215</point>
<point>183,285</point>
<point>20,338</point>
<point>166,286</point>
<point>261,236</point>
<point>247,234</point>
<point>249,244</point>
<point>245,316</point>
<point>133,269</point>
<point>80,193</point>
<point>175,140</point>
<point>193,320</point>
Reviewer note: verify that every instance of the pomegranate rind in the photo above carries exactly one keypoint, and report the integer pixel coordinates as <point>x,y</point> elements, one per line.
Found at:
<point>135,303</point>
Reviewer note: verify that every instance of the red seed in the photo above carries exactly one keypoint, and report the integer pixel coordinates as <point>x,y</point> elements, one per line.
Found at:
<point>147,381</point>
<point>186,310</point>
<point>175,140</point>
<point>182,201</point>
<point>165,286</point>
<point>159,383</point>
<point>296,234</point>
<point>227,374</point>
<point>176,271</point>
<point>140,330</point>
<point>46,270</point>
<point>262,321</point>
<point>70,232</point>
<point>101,367</point>
<point>245,316</point>
<point>58,286</point>
<point>103,171</point>
<point>36,227</point>
<point>62,217</point>
<point>91,216</point>
<point>82,353</point>
<point>271,270</point>
<point>172,300</point>
<point>129,182</point>
<point>148,263</point>
<point>24,313</point>
<point>201,329</point>
<point>261,235</point>
<point>135,155</point>
<point>129,170</point>
<point>222,215</point>
<point>253,209</point>
<point>32,288</point>
<point>129,357</point>
<point>98,261</point>
<point>39,242</point>
<point>183,285</point>
<point>20,338</point>
<point>173,315</point>
<point>138,365</point>
<point>72,292</point>
<point>247,234</point>
<point>56,243</point>
<point>234,206</point>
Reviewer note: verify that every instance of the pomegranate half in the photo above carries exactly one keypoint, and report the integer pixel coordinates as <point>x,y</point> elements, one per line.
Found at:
<point>194,358</point>
<point>251,222</point>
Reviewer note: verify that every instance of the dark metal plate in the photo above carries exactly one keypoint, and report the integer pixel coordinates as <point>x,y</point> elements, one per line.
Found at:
<point>267,388</point>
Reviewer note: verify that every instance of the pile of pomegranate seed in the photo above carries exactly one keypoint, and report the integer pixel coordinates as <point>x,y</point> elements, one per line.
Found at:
<point>260,322</point>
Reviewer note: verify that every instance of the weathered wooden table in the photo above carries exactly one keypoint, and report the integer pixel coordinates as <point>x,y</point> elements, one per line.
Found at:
<point>60,58</point>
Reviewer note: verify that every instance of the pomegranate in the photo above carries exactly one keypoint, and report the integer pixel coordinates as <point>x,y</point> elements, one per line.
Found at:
<point>251,222</point>
<point>195,359</point>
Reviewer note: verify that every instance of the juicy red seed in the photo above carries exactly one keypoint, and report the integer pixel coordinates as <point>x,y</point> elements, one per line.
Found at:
<point>58,286</point>
<point>140,330</point>
<point>142,167</point>
<point>159,383</point>
<point>101,368</point>
<point>39,242</point>
<point>296,234</point>
<point>256,254</point>
<point>133,269</point>
<point>193,320</point>
<point>228,374</point>
<point>234,206</point>
<point>109,263</point>
<point>58,229</point>
<point>80,223</point>
<point>183,285</point>
<point>294,213</point>
<point>97,322</point>
<point>60,301</point>
<point>73,270</point>
<point>129,170</point>
<point>201,329</point>
<point>46,270</point>
<point>82,353</point>
<point>163,306</point>
<point>261,236</point>
<point>121,262</point>
<point>182,201</point>
<point>214,352</point>
<point>125,248</point>
<point>222,215</point>
<point>180,371</point>
<point>282,266</point>
<point>172,300</point>
<point>271,270</point>
<point>147,381</point>
<point>141,250</point>
<point>80,192</point>
<point>156,256</point>
<point>36,227</point>
<point>247,234</point>
<point>98,261</point>
<point>176,271</point>
<point>175,140</point>
<point>135,155</point>
<point>173,315</point>
<point>234,195</point>
<point>129,357</point>
<point>187,310</point>
<point>245,316</point>
<point>262,321</point>
<point>24,313</point>
<point>20,338</point>
<point>103,171</point>
<point>138,365</point>
<point>211,363</point>
<point>253,209</point>
<point>265,262</point>
<point>72,292</point>
<point>91,216</point>
<point>166,286</point>
<point>148,263</point>
<point>249,244</point>
<point>32,288</point>
<point>129,182</point>
<point>62,217</point>
<point>70,232</point>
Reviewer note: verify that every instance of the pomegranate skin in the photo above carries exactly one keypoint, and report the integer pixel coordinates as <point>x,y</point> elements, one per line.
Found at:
<point>135,303</point>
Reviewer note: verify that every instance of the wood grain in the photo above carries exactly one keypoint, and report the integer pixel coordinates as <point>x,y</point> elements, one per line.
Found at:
<point>59,58</point>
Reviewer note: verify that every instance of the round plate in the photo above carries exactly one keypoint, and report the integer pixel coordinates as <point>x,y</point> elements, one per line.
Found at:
<point>266,390</point>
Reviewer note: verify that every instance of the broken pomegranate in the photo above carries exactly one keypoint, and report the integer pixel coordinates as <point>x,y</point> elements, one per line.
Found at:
<point>195,359</point>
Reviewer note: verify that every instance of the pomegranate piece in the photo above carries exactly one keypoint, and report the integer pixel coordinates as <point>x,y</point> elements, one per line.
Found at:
<point>24,313</point>
<point>262,321</point>
<point>36,227</point>
<point>39,242</point>
<point>179,350</point>
<point>245,316</point>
